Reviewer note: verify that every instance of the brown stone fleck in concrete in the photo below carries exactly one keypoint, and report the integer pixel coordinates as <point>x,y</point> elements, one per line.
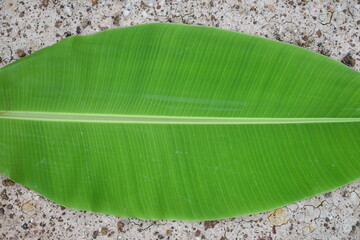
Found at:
<point>329,27</point>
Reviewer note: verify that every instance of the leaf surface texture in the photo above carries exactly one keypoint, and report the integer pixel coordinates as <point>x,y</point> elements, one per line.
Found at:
<point>166,121</point>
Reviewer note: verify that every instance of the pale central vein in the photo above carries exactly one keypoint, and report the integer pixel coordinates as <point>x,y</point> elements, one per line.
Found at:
<point>106,118</point>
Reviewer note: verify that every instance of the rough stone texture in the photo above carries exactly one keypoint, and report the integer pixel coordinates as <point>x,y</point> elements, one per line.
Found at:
<point>329,27</point>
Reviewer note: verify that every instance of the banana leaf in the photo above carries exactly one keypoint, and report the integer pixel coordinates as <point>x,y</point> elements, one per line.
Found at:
<point>167,121</point>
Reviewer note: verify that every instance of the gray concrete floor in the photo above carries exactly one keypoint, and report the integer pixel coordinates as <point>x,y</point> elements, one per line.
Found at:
<point>328,27</point>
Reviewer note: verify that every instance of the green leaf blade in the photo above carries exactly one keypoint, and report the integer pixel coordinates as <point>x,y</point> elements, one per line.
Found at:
<point>217,124</point>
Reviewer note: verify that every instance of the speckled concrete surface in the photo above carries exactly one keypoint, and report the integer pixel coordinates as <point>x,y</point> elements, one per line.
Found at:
<point>331,28</point>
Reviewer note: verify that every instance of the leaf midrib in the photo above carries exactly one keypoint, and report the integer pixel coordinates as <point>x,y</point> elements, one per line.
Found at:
<point>106,118</point>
